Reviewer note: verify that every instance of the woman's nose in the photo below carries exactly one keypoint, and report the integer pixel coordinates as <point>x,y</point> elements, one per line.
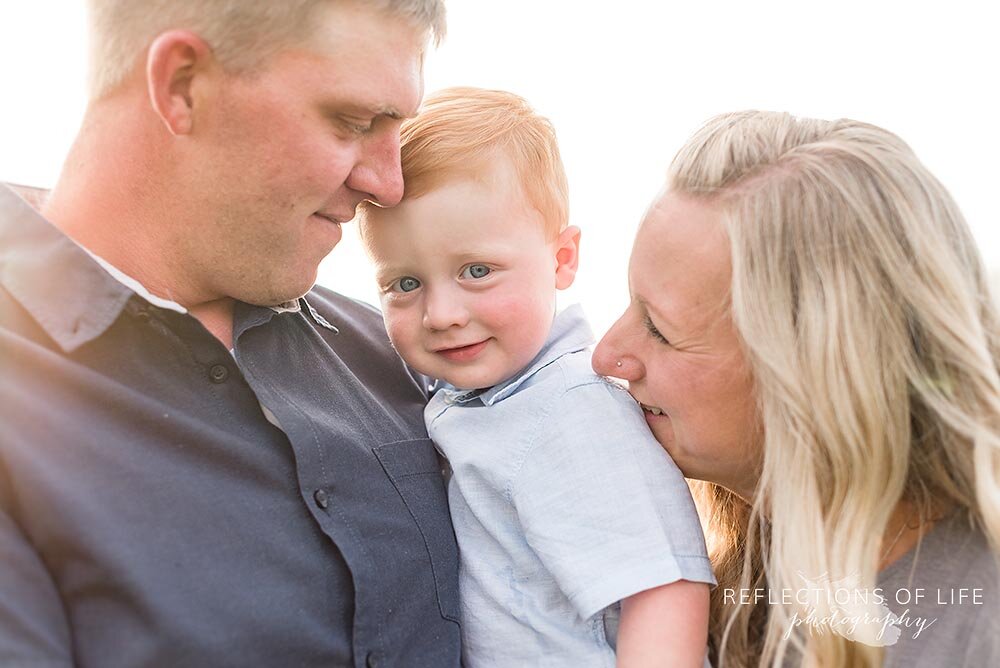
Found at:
<point>610,358</point>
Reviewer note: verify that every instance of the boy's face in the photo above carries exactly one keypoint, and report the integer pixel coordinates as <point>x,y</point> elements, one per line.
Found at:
<point>467,279</point>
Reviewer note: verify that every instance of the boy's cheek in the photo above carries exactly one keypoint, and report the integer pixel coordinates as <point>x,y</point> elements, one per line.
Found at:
<point>400,329</point>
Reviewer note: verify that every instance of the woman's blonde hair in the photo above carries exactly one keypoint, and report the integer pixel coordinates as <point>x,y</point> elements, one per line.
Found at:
<point>865,315</point>
<point>242,33</point>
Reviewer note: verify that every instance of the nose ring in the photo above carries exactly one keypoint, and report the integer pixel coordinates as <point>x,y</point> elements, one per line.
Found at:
<point>618,364</point>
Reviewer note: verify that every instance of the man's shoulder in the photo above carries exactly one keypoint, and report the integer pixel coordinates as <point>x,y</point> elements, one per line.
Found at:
<point>361,335</point>
<point>349,311</point>
<point>352,319</point>
<point>17,322</point>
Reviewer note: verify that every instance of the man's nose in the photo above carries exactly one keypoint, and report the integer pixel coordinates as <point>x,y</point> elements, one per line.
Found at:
<point>378,173</point>
<point>443,309</point>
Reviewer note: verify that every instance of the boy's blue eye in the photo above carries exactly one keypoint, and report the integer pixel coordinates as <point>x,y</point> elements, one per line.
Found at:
<point>407,284</point>
<point>476,271</point>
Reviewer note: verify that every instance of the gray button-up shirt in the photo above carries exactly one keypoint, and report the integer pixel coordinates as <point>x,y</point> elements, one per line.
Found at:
<point>150,515</point>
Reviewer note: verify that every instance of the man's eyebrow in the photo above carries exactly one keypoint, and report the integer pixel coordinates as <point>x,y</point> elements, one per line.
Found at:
<point>375,111</point>
<point>389,112</point>
<point>393,113</point>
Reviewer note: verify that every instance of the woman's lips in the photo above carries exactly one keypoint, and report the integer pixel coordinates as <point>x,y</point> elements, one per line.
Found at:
<point>652,413</point>
<point>463,353</point>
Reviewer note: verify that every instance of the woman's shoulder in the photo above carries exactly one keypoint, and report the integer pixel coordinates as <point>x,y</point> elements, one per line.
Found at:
<point>955,550</point>
<point>946,592</point>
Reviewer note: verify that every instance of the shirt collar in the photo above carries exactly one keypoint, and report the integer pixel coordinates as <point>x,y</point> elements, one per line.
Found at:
<point>71,292</point>
<point>134,285</point>
<point>570,333</point>
<point>70,296</point>
<point>291,306</point>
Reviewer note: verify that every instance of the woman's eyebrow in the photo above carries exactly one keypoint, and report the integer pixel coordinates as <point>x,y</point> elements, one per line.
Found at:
<point>652,310</point>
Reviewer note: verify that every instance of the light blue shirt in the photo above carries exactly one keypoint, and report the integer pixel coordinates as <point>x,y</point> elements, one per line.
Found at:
<point>563,505</point>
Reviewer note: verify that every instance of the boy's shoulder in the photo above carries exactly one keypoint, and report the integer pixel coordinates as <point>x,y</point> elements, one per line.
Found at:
<point>571,385</point>
<point>568,371</point>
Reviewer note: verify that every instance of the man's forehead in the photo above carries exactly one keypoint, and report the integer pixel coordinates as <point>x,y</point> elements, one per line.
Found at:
<point>374,84</point>
<point>358,28</point>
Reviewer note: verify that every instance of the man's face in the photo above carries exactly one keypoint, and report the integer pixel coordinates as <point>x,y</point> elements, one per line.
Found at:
<point>281,158</point>
<point>467,279</point>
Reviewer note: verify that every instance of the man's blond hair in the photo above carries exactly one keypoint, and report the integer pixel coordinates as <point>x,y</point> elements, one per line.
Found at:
<point>242,33</point>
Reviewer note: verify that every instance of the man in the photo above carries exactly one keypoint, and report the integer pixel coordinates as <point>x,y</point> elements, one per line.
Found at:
<point>200,466</point>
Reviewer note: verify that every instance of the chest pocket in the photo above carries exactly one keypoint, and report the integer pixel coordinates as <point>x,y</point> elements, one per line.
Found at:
<point>415,472</point>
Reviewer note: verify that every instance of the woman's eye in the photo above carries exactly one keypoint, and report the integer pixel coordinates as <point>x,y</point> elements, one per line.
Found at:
<point>476,271</point>
<point>405,284</point>
<point>654,332</point>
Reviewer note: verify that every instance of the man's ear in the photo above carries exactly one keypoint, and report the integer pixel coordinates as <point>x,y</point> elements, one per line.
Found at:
<point>567,247</point>
<point>174,59</point>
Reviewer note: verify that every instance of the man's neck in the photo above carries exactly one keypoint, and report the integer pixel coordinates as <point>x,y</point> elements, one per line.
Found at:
<point>217,317</point>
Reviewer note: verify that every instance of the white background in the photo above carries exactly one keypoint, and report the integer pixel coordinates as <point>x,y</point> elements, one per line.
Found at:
<point>625,84</point>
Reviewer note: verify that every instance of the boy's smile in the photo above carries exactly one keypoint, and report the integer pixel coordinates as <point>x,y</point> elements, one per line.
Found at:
<point>468,278</point>
<point>463,353</point>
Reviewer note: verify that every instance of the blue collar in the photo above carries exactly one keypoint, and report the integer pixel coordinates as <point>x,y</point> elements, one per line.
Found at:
<point>570,333</point>
<point>70,296</point>
<point>67,292</point>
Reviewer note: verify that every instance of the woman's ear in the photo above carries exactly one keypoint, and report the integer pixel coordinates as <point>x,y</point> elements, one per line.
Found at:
<point>567,247</point>
<point>174,59</point>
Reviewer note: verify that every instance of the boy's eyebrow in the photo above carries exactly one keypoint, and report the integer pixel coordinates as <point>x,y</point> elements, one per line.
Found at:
<point>385,270</point>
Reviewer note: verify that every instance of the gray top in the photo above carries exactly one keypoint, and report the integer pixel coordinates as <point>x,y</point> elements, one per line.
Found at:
<point>150,515</point>
<point>563,504</point>
<point>956,572</point>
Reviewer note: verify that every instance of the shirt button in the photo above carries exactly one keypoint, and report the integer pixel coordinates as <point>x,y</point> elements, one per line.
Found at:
<point>218,373</point>
<point>321,498</point>
<point>142,315</point>
<point>371,660</point>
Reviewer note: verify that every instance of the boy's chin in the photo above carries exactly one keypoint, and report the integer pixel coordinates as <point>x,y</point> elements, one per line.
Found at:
<point>476,381</point>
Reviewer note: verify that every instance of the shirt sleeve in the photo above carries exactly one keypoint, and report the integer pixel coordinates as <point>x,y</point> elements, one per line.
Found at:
<point>602,504</point>
<point>33,626</point>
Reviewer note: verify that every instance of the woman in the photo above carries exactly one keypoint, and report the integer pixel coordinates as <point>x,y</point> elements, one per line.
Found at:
<point>811,333</point>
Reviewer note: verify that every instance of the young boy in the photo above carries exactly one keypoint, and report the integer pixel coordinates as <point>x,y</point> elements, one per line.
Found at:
<point>563,504</point>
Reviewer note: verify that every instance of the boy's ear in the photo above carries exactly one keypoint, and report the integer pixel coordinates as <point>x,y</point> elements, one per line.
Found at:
<point>567,247</point>
<point>174,58</point>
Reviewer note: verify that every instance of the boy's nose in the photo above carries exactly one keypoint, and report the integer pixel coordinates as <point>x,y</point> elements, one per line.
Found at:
<point>444,311</point>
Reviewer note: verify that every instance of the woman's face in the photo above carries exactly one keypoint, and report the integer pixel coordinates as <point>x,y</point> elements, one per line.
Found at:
<point>678,347</point>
